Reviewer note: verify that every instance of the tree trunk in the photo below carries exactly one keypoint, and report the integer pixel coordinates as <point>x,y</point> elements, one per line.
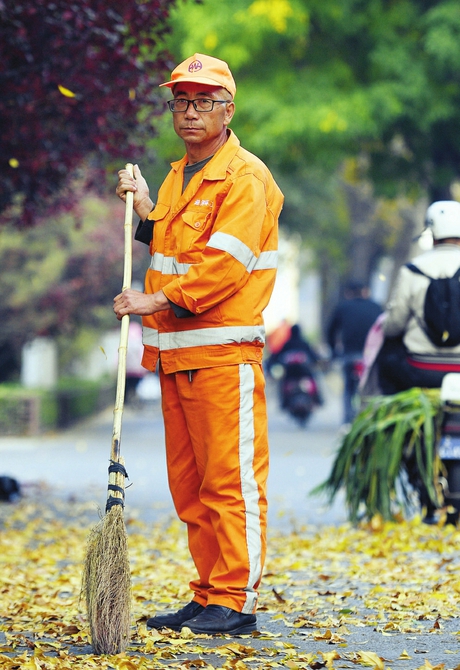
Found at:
<point>404,248</point>
<point>365,231</point>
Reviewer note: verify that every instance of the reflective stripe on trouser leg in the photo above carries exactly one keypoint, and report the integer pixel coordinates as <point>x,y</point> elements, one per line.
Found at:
<point>217,454</point>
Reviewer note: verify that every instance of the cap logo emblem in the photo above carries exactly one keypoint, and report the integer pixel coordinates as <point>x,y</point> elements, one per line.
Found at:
<point>195,66</point>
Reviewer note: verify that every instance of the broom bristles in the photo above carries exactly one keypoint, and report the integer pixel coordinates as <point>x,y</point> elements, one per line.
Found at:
<point>106,584</point>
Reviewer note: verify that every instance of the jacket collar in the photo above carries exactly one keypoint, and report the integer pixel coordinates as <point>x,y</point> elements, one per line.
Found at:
<point>217,167</point>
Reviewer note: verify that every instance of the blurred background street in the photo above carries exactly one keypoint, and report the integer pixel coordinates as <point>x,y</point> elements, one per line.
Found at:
<point>73,463</point>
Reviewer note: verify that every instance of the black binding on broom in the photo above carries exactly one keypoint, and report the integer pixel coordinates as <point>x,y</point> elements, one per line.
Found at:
<point>118,467</point>
<point>114,500</point>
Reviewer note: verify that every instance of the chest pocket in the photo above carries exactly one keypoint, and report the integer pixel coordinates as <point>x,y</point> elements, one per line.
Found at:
<point>196,231</point>
<point>158,216</point>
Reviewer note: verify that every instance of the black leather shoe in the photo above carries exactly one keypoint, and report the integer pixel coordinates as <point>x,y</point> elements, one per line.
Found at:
<point>175,621</point>
<point>216,619</point>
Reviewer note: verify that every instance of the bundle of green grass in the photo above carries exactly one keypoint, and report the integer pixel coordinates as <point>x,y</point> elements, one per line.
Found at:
<point>391,436</point>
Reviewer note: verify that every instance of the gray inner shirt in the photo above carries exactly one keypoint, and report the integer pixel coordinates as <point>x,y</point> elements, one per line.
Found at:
<point>190,170</point>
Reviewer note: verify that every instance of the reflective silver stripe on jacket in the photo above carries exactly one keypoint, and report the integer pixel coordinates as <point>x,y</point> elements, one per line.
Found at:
<point>267,260</point>
<point>150,337</point>
<point>203,337</point>
<point>168,265</point>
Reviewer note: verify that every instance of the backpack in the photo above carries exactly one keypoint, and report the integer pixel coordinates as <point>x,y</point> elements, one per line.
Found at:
<point>441,310</point>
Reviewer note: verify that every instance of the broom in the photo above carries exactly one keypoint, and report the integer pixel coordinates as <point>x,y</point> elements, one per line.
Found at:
<point>106,581</point>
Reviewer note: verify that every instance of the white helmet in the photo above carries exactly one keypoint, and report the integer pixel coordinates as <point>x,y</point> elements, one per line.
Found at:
<point>443,219</point>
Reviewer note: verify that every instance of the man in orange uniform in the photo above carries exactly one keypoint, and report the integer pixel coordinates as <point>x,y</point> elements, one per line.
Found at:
<point>212,271</point>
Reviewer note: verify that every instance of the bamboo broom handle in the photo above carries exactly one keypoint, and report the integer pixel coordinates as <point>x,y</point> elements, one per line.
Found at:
<point>123,348</point>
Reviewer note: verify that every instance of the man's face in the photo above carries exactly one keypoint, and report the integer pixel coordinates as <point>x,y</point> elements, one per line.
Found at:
<point>202,127</point>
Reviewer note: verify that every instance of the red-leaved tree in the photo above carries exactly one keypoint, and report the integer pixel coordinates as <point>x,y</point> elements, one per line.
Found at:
<point>74,78</point>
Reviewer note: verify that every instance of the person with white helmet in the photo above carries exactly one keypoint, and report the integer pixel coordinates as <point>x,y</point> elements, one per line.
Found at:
<point>409,357</point>
<point>421,326</point>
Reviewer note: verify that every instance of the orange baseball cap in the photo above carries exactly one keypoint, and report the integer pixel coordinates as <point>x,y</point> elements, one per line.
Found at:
<point>203,70</point>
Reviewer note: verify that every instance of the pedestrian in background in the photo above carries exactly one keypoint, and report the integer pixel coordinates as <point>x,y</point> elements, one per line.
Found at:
<point>346,335</point>
<point>212,271</point>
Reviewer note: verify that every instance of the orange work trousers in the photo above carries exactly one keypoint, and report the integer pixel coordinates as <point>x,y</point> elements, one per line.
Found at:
<point>217,460</point>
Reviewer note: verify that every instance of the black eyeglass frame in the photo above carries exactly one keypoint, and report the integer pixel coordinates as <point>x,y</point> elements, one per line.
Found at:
<point>171,104</point>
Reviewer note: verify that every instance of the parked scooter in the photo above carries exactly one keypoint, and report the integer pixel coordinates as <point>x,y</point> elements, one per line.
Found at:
<point>297,387</point>
<point>448,451</point>
<point>449,445</point>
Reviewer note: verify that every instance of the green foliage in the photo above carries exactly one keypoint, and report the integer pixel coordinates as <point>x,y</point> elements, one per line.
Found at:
<point>371,461</point>
<point>23,411</point>
<point>62,277</point>
<point>320,81</point>
<point>79,398</point>
<point>310,94</point>
<point>30,411</point>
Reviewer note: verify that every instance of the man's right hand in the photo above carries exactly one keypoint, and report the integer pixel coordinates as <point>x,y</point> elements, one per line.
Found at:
<point>130,301</point>
<point>137,184</point>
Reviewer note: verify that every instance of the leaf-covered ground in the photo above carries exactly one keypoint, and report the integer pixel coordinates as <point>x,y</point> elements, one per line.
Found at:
<point>379,596</point>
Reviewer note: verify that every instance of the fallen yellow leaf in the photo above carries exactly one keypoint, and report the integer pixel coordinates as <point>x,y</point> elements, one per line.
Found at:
<point>371,659</point>
<point>329,658</point>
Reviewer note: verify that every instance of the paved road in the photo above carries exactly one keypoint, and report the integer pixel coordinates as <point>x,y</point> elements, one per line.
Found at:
<point>74,462</point>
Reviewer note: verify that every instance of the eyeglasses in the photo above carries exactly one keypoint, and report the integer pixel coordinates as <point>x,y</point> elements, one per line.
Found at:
<point>200,104</point>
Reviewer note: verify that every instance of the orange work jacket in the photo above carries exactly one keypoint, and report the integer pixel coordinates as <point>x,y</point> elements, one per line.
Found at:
<point>214,255</point>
